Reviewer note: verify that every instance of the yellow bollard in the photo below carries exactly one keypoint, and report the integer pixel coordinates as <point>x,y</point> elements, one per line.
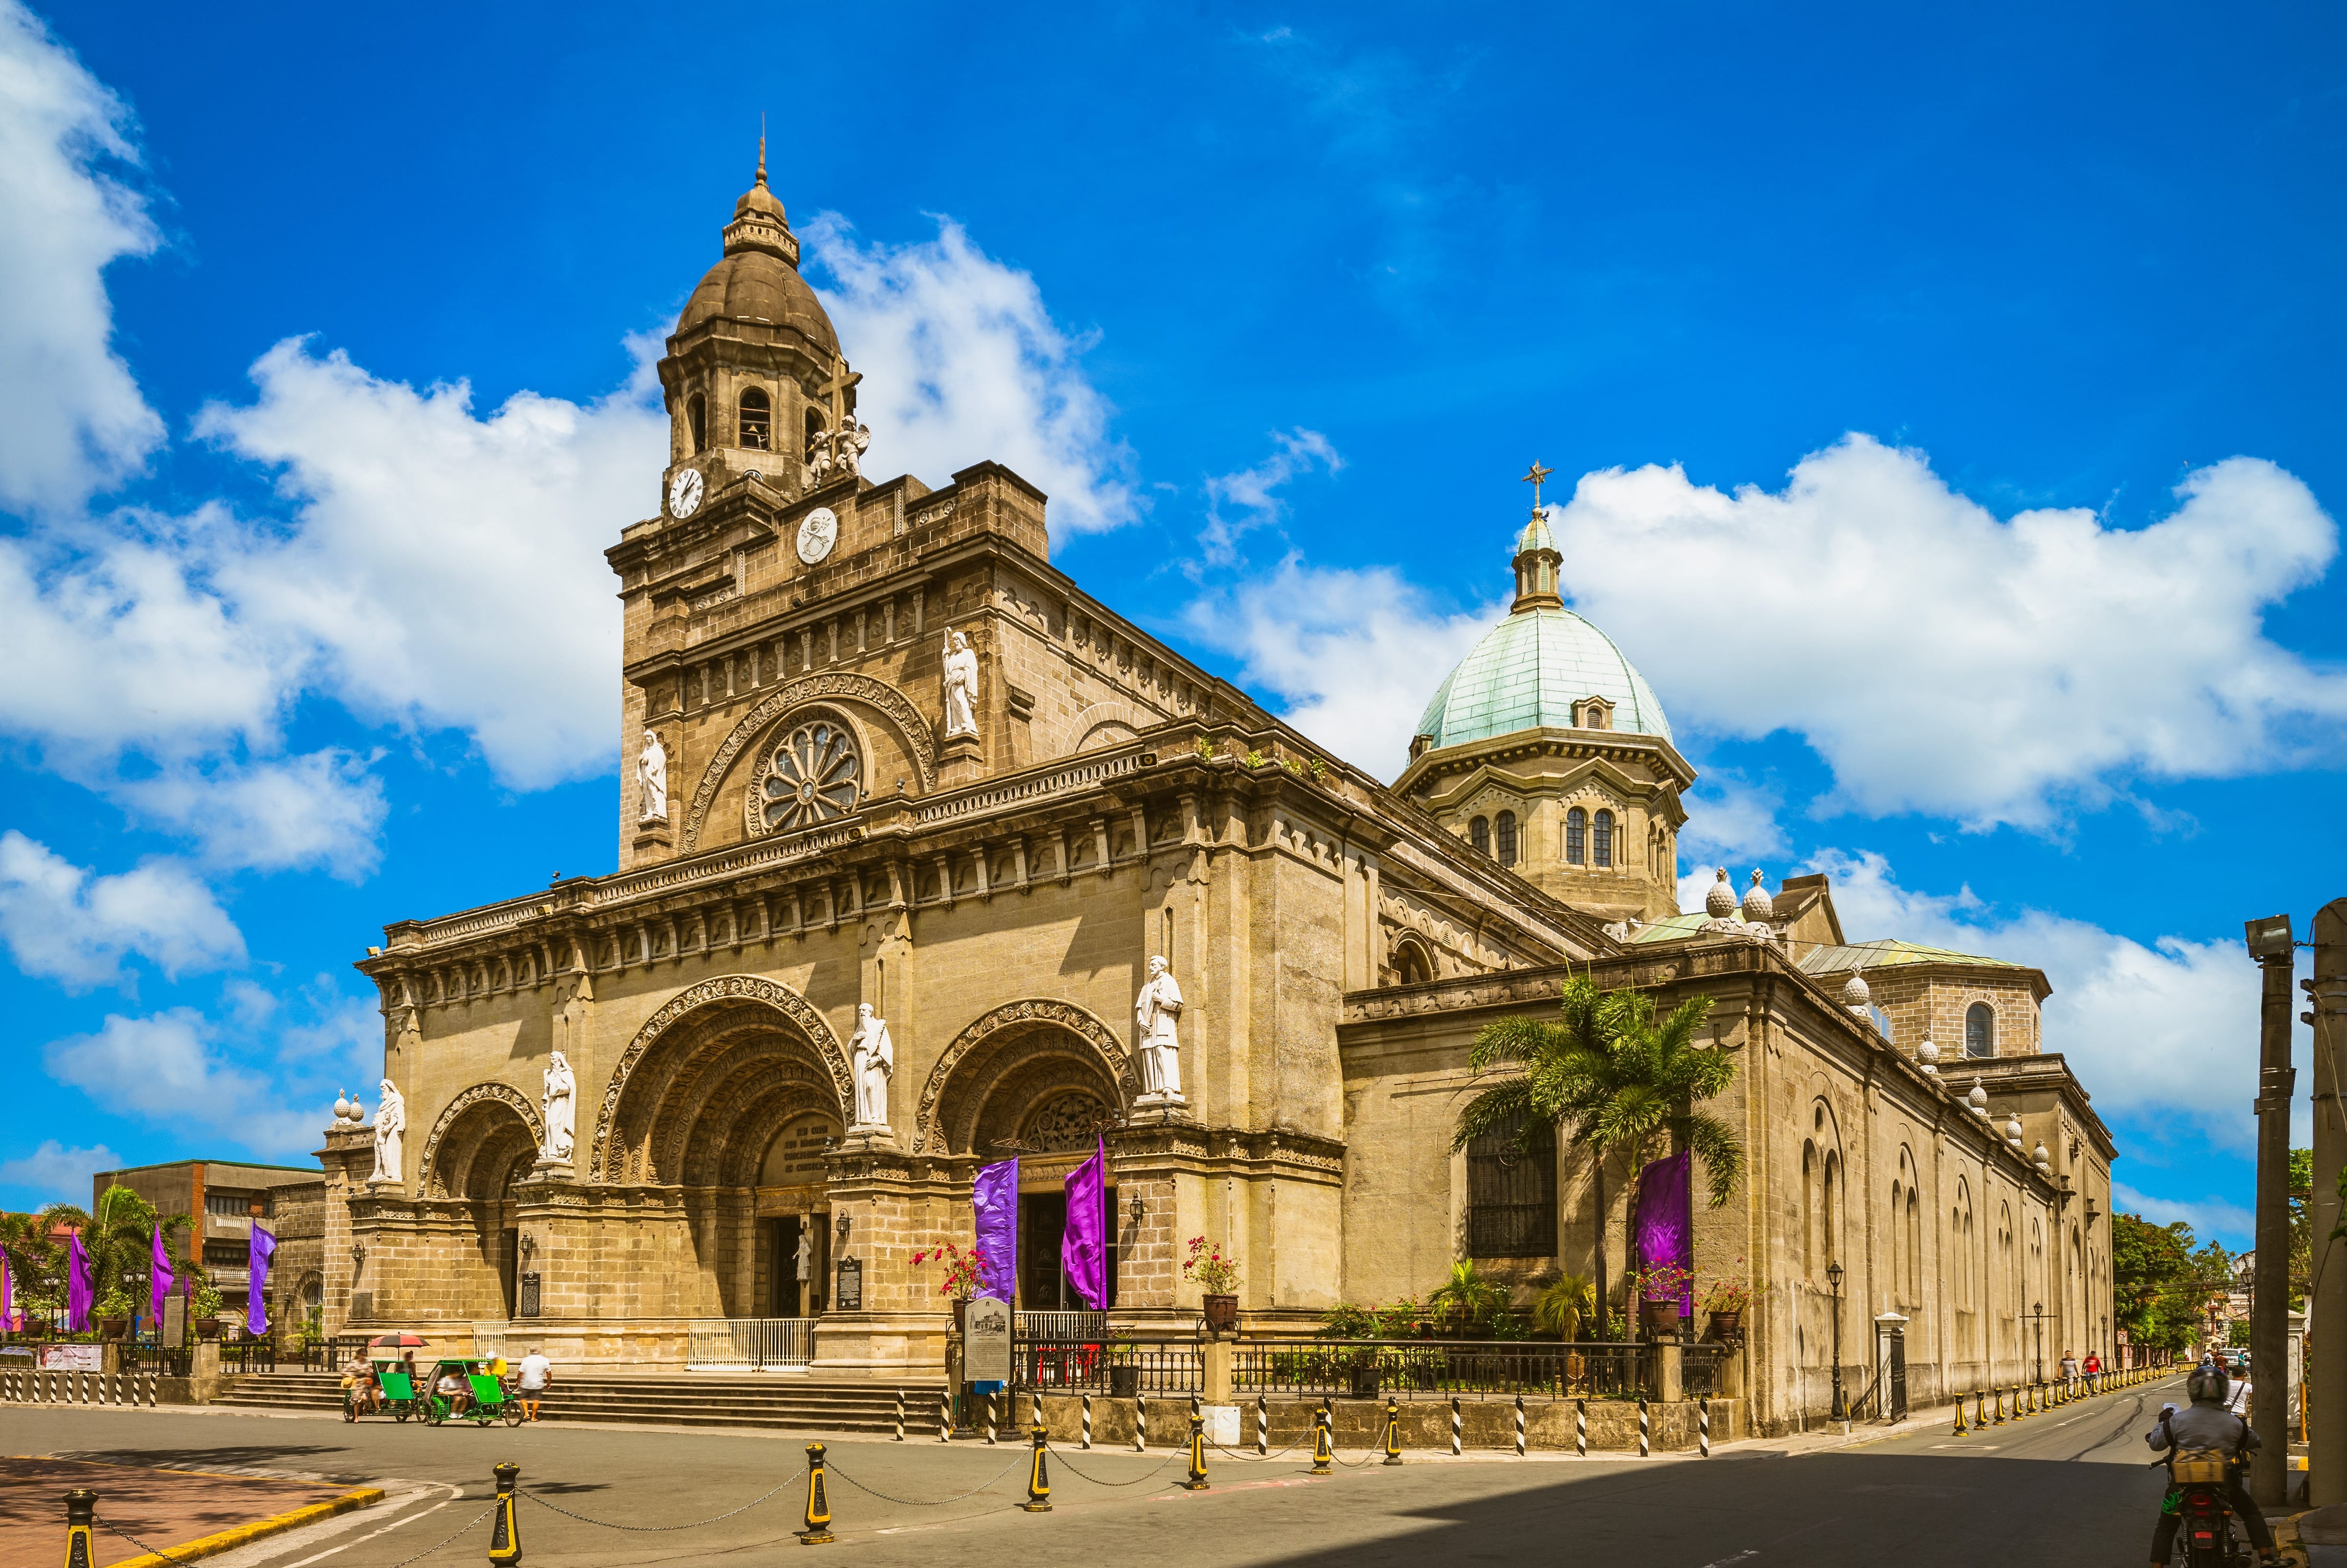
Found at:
<point>1038,1479</point>
<point>81,1513</point>
<point>1960,1415</point>
<point>1322,1452</point>
<point>504,1526</point>
<point>1393,1431</point>
<point>1197,1479</point>
<point>818,1501</point>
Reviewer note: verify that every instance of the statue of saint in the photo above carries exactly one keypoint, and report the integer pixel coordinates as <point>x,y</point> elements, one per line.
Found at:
<point>390,1122</point>
<point>1156,1010</point>
<point>961,686</point>
<point>872,1058</point>
<point>651,780</point>
<point>806,1249</point>
<point>557,1104</point>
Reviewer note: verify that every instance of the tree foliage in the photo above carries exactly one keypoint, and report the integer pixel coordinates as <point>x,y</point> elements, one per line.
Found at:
<point>2161,1285</point>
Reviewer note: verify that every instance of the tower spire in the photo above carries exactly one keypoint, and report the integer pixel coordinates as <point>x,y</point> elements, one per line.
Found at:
<point>761,146</point>
<point>1537,559</point>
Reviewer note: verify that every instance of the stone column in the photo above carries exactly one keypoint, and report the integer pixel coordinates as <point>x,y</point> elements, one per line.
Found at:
<point>893,1205</point>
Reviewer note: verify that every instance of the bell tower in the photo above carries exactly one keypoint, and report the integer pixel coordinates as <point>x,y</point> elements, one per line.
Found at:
<point>754,383</point>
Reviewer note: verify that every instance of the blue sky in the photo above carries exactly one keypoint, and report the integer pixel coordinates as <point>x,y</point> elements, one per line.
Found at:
<point>1944,406</point>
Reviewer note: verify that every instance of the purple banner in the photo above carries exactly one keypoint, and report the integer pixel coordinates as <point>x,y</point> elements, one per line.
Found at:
<point>994,1201</point>
<point>1664,1226</point>
<point>160,1276</point>
<point>78,1291</point>
<point>257,1254</point>
<point>1081,1253</point>
<point>9,1324</point>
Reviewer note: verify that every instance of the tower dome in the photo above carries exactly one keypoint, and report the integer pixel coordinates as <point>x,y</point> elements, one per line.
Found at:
<point>758,278</point>
<point>1535,670</point>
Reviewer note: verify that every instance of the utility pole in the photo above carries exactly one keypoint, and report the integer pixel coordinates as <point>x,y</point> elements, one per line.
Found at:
<point>2326,1306</point>
<point>2272,946</point>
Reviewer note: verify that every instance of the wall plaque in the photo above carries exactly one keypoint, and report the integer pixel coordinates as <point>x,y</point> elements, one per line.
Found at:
<point>175,1321</point>
<point>986,1341</point>
<point>849,1297</point>
<point>530,1297</point>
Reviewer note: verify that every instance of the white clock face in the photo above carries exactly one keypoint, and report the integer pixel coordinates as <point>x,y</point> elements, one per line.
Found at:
<point>817,531</point>
<point>684,492</point>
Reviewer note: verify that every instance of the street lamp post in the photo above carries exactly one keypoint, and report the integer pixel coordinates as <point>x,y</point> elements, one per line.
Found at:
<point>2037,1315</point>
<point>1833,1278</point>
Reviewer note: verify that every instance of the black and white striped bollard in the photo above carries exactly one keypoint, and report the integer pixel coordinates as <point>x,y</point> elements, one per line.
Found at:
<point>1581,1428</point>
<point>1262,1425</point>
<point>900,1415</point>
<point>945,1415</point>
<point>1520,1426</point>
<point>1088,1421</point>
<point>1037,1396</point>
<point>1703,1426</point>
<point>1139,1422</point>
<point>1457,1429</point>
<point>989,1420</point>
<point>1645,1445</point>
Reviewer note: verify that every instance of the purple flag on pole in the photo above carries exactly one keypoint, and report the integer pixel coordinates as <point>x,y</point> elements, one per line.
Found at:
<point>159,1278</point>
<point>256,1272</point>
<point>994,1196</point>
<point>1665,1220</point>
<point>78,1290</point>
<point>9,1324</point>
<point>1081,1252</point>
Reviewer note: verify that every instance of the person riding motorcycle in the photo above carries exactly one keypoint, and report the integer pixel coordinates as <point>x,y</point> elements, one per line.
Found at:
<point>2206,1425</point>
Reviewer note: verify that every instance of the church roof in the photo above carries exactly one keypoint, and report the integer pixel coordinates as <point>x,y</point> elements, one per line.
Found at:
<point>1526,675</point>
<point>1890,953</point>
<point>758,279</point>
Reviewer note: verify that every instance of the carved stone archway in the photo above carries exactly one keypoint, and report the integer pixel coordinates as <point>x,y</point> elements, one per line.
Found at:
<point>505,1094</point>
<point>1060,1026</point>
<point>835,685</point>
<point>736,990</point>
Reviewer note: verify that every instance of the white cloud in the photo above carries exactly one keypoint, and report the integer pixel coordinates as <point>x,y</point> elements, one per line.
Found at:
<point>165,1069</point>
<point>71,417</point>
<point>57,1172</point>
<point>62,923</point>
<point>1350,655</point>
<point>447,567</point>
<point>1946,662</point>
<point>962,362</point>
<point>2211,1219</point>
<point>321,809</point>
<point>2148,1029</point>
<point>1239,503</point>
<point>1730,818</point>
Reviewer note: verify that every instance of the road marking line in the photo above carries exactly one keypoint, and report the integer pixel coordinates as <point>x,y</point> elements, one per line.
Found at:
<point>370,1535</point>
<point>1969,1447</point>
<point>1724,1561</point>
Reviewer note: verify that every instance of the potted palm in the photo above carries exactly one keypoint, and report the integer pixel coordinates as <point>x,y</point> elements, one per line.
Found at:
<point>1468,1298</point>
<point>1218,1277</point>
<point>114,1312</point>
<point>1563,1306</point>
<point>207,1315</point>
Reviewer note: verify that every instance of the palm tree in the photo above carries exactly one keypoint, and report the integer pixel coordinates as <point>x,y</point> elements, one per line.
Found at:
<point>1468,1294</point>
<point>1606,1072</point>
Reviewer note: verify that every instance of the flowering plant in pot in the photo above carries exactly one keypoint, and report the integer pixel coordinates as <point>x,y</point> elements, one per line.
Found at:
<point>1218,1277</point>
<point>1726,1300</point>
<point>962,1275</point>
<point>1660,1290</point>
<point>207,1313</point>
<point>114,1312</point>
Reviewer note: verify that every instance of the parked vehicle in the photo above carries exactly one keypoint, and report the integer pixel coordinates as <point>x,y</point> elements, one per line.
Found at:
<point>484,1398</point>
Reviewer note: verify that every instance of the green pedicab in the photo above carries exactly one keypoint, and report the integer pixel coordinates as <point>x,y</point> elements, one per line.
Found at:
<point>483,1385</point>
<point>395,1390</point>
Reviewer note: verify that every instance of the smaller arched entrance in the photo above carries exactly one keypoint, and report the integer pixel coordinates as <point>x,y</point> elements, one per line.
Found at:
<point>484,1141</point>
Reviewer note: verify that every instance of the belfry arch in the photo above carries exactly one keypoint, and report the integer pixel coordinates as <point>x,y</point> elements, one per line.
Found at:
<point>1011,1063</point>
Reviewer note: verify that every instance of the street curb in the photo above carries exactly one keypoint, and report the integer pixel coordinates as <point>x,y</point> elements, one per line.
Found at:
<point>259,1530</point>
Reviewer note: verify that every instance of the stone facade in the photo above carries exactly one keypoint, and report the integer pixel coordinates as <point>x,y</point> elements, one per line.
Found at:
<point>810,833</point>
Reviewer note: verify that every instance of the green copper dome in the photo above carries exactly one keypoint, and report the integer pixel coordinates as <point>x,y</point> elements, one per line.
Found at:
<point>1528,672</point>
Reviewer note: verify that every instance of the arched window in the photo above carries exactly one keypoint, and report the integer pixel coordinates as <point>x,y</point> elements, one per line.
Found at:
<point>1410,961</point>
<point>1915,1247</point>
<point>1898,1236</point>
<point>696,414</point>
<point>1980,1030</point>
<point>1505,832</point>
<point>813,429</point>
<point>757,420</point>
<point>1577,835</point>
<point>1830,1210</point>
<point>1601,848</point>
<point>1478,834</point>
<point>1809,1212</point>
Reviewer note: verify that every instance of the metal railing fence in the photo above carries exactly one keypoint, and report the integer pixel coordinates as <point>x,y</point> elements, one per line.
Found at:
<point>1118,1365</point>
<point>749,1344</point>
<point>1374,1368</point>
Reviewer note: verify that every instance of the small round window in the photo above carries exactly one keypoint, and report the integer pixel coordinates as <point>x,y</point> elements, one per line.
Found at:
<point>814,777</point>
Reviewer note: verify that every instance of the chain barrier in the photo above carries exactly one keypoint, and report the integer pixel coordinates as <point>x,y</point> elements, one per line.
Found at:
<point>1060,1457</point>
<point>922,1502</point>
<point>1251,1458</point>
<point>109,1526</point>
<point>460,1529</point>
<point>664,1529</point>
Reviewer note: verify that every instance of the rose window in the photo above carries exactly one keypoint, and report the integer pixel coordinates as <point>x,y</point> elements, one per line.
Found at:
<point>814,777</point>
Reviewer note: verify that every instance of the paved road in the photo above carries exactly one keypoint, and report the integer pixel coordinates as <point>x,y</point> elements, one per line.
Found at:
<point>2064,1489</point>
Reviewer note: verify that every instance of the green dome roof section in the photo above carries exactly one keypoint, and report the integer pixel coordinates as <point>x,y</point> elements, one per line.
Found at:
<point>1526,675</point>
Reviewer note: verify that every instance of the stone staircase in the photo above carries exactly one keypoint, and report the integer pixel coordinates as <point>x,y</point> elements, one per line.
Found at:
<point>782,1402</point>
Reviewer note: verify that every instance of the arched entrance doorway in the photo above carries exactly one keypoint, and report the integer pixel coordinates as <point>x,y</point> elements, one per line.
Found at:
<point>484,1141</point>
<point>1041,1080</point>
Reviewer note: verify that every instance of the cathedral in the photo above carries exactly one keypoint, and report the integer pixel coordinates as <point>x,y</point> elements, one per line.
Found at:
<point>928,858</point>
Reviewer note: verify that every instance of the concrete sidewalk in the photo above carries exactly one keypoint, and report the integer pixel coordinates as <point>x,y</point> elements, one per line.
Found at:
<point>187,1513</point>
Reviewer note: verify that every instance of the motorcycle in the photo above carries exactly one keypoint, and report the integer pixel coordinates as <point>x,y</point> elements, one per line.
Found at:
<point>2207,1535</point>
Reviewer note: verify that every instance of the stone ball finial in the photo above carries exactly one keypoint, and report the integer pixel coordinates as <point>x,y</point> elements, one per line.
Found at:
<point>2041,1158</point>
<point>1721,902</point>
<point>1929,1055</point>
<point>2013,1130</point>
<point>341,1105</point>
<point>1758,904</point>
<point>1978,1098</point>
<point>1856,995</point>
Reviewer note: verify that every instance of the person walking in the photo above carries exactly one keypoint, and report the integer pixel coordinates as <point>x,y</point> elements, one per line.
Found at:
<point>2094,1371</point>
<point>2069,1372</point>
<point>537,1372</point>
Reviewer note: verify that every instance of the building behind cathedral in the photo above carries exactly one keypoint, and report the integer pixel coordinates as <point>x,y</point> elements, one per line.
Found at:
<point>827,803</point>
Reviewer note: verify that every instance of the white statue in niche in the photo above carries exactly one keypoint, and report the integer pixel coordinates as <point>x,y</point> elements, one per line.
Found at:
<point>651,780</point>
<point>806,1249</point>
<point>1156,1010</point>
<point>390,1124</point>
<point>557,1103</point>
<point>961,686</point>
<point>871,1059</point>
